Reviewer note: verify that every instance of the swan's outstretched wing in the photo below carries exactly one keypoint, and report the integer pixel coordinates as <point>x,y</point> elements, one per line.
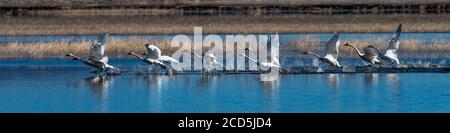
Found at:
<point>394,42</point>
<point>275,38</point>
<point>153,52</point>
<point>332,46</point>
<point>103,39</point>
<point>168,59</point>
<point>98,48</point>
<point>274,41</point>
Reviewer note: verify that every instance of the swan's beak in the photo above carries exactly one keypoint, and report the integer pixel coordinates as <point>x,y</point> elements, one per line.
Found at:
<point>347,44</point>
<point>144,54</point>
<point>68,55</point>
<point>130,53</point>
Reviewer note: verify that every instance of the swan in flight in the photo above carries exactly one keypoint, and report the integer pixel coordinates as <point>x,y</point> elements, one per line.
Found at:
<point>212,59</point>
<point>370,54</point>
<point>393,44</point>
<point>96,57</point>
<point>331,53</point>
<point>154,57</point>
<point>275,63</point>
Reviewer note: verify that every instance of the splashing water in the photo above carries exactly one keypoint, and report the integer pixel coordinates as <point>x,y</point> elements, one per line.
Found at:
<point>421,63</point>
<point>443,62</point>
<point>319,69</point>
<point>315,62</point>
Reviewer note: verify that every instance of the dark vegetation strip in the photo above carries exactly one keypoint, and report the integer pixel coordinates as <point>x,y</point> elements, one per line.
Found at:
<point>17,7</point>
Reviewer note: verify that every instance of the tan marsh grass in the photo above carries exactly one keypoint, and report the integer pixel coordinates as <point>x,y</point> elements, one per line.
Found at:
<point>254,24</point>
<point>119,48</point>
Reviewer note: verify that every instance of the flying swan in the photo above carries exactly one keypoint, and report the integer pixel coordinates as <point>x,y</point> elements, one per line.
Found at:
<point>331,51</point>
<point>96,57</point>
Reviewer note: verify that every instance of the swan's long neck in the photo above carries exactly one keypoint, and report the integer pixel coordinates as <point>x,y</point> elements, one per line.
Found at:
<point>359,52</point>
<point>75,57</point>
<point>253,60</point>
<point>142,58</point>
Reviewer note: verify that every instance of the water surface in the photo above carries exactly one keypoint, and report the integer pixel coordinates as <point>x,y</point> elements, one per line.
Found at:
<point>52,86</point>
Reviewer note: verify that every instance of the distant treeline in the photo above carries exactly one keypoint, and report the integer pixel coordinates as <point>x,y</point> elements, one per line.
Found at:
<point>14,7</point>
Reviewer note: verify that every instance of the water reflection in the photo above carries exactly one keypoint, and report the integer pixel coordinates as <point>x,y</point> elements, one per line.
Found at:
<point>393,78</point>
<point>270,87</point>
<point>394,88</point>
<point>271,76</point>
<point>154,86</point>
<point>155,81</point>
<point>99,85</point>
<point>208,81</point>
<point>371,78</point>
<point>333,80</point>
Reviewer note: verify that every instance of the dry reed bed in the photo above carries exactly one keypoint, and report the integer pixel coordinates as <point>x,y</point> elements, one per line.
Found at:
<point>57,49</point>
<point>419,50</point>
<point>119,48</point>
<point>176,24</point>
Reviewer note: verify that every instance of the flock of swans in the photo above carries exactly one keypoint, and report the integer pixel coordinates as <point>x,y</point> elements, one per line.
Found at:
<point>370,53</point>
<point>153,57</point>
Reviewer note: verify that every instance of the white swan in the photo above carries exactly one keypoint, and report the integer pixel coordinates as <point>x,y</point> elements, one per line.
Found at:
<point>96,57</point>
<point>148,60</point>
<point>331,53</point>
<point>275,63</point>
<point>154,57</point>
<point>370,54</point>
<point>393,44</point>
<point>212,59</point>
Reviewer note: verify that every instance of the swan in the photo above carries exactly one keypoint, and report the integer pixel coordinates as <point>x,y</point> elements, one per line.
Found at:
<point>393,44</point>
<point>153,56</point>
<point>370,54</point>
<point>96,57</point>
<point>331,53</point>
<point>275,63</point>
<point>212,59</point>
<point>148,60</point>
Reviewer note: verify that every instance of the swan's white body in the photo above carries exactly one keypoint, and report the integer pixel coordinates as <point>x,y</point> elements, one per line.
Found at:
<point>212,59</point>
<point>154,54</point>
<point>154,57</point>
<point>332,51</point>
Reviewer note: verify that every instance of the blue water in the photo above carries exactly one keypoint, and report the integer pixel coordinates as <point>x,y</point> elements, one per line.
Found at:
<point>424,37</point>
<point>53,86</point>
